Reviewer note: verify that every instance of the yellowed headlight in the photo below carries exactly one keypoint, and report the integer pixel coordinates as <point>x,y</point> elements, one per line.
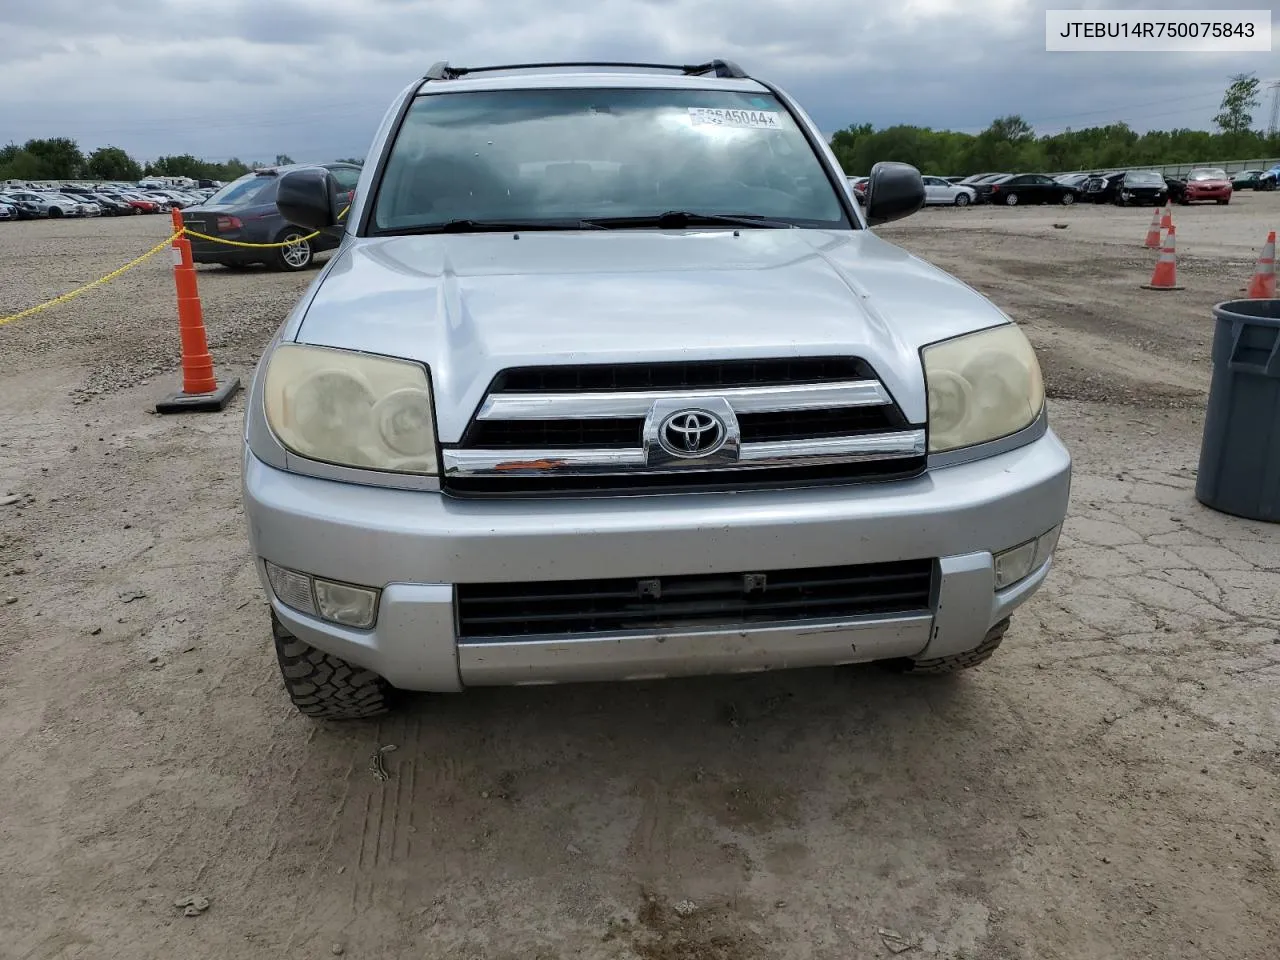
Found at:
<point>351,409</point>
<point>982,386</point>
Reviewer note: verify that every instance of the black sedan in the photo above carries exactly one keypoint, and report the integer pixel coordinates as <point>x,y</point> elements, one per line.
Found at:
<point>1139,187</point>
<point>1102,187</point>
<point>245,211</point>
<point>1030,188</point>
<point>982,184</point>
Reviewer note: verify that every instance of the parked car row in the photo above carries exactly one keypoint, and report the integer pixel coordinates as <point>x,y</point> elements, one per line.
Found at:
<point>93,200</point>
<point>1006,188</point>
<point>1120,187</point>
<point>1256,179</point>
<point>1146,187</point>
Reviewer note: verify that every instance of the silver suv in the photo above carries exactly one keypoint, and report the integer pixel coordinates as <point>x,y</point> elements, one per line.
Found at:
<point>610,379</point>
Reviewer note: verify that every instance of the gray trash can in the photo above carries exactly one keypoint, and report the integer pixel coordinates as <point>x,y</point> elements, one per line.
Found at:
<point>1240,454</point>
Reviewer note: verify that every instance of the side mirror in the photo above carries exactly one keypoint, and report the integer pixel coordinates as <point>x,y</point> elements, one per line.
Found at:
<point>896,190</point>
<point>305,198</point>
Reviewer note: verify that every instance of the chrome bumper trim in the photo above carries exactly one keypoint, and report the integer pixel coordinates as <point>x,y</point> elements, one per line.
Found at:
<point>630,461</point>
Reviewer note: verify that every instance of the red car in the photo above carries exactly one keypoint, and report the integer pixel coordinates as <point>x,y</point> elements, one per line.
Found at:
<point>1207,184</point>
<point>859,185</point>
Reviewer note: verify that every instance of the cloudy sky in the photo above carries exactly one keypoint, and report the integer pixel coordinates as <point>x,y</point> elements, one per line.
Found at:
<point>311,78</point>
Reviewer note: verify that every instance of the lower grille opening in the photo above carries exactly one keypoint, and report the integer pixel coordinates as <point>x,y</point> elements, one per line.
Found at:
<point>532,610</point>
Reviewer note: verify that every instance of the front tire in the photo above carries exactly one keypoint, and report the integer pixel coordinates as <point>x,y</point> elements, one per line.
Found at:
<point>956,662</point>
<point>962,200</point>
<point>326,687</point>
<point>297,256</point>
<point>54,213</point>
<point>1011,200</point>
<point>1068,199</point>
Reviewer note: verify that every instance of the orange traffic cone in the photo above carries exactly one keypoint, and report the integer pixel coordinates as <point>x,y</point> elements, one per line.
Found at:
<point>1166,222</point>
<point>200,389</point>
<point>1263,286</point>
<point>1153,232</point>
<point>1165,275</point>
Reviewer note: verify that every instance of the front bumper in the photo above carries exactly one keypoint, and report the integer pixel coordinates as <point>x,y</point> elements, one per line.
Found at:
<point>416,545</point>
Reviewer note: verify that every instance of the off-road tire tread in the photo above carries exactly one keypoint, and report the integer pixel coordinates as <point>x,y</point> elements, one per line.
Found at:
<point>326,687</point>
<point>959,661</point>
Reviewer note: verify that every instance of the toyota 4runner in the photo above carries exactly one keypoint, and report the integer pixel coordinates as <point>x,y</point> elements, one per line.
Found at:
<point>610,379</point>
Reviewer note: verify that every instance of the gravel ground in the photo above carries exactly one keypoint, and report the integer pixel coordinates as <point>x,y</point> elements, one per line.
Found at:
<point>1105,787</point>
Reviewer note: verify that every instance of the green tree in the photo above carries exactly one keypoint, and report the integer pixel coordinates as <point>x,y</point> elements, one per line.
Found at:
<point>60,158</point>
<point>1238,104</point>
<point>112,163</point>
<point>283,160</point>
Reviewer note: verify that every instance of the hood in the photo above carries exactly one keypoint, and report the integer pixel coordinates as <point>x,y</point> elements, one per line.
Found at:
<point>470,305</point>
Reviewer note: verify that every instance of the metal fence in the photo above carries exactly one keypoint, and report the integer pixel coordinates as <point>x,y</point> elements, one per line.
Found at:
<point>1181,169</point>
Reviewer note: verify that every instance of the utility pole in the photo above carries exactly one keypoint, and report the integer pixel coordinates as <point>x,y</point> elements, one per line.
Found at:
<point>1274,126</point>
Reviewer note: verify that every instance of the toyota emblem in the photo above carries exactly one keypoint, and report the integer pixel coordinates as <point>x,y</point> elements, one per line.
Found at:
<point>692,433</point>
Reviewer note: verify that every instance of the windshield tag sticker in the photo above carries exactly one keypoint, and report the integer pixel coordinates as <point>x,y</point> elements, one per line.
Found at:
<point>725,117</point>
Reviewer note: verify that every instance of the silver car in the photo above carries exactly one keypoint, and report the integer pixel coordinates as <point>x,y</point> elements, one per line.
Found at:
<point>611,379</point>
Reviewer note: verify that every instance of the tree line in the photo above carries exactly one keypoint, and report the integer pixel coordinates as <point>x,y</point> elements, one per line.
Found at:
<point>1010,145</point>
<point>60,158</point>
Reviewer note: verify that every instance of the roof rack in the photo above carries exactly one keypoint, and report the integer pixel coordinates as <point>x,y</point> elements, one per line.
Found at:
<point>720,68</point>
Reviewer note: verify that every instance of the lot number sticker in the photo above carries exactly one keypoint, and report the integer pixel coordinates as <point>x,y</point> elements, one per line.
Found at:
<point>724,117</point>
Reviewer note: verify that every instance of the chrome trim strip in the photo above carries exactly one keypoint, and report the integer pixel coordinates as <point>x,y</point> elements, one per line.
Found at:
<point>631,461</point>
<point>873,446</point>
<point>470,463</point>
<point>603,405</point>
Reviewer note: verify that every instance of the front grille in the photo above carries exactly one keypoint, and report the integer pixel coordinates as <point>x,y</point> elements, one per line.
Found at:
<point>626,432</point>
<point>697,374</point>
<point>594,429</point>
<point>556,608</point>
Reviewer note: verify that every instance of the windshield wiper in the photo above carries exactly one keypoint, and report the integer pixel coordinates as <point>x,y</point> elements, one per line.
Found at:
<point>493,226</point>
<point>689,218</point>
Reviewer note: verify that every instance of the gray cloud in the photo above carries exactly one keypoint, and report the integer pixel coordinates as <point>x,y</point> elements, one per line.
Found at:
<point>312,79</point>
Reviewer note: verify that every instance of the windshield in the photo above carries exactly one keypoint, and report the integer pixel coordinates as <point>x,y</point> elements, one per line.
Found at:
<point>1209,175</point>
<point>245,190</point>
<point>557,155</point>
<point>1144,179</point>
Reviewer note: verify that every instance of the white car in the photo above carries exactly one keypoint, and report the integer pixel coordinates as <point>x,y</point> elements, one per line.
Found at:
<point>80,208</point>
<point>49,205</point>
<point>943,192</point>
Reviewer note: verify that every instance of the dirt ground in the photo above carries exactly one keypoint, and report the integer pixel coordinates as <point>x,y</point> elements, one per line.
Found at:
<point>1104,788</point>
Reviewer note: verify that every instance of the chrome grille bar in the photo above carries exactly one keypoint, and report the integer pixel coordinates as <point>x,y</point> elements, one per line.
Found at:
<point>631,461</point>
<point>607,405</point>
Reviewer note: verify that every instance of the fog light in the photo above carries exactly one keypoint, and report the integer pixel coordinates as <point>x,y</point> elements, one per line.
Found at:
<point>342,603</point>
<point>1013,565</point>
<point>1021,561</point>
<point>292,589</point>
<point>345,604</point>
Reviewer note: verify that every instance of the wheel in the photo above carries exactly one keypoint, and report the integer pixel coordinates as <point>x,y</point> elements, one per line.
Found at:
<point>134,211</point>
<point>54,213</point>
<point>324,686</point>
<point>296,256</point>
<point>1068,199</point>
<point>1118,201</point>
<point>962,200</point>
<point>956,662</point>
<point>1222,203</point>
<point>1011,200</point>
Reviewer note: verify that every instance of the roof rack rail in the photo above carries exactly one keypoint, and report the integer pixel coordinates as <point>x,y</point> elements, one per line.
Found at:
<point>720,68</point>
